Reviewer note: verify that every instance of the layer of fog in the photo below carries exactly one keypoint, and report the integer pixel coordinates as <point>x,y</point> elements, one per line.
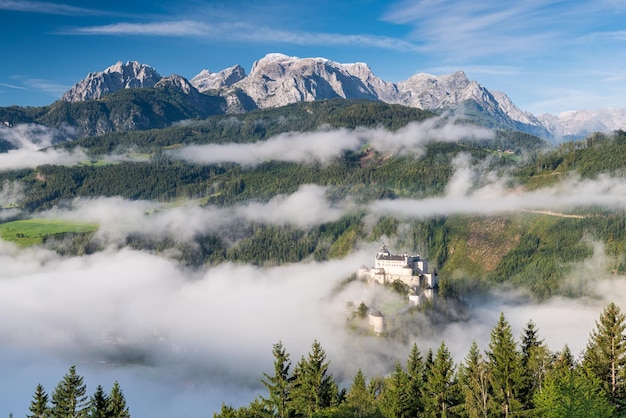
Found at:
<point>117,217</point>
<point>472,191</point>
<point>325,145</point>
<point>195,339</point>
<point>207,335</point>
<point>32,147</point>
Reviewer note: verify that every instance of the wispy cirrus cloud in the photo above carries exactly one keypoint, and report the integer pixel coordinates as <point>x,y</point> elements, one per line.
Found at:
<point>476,28</point>
<point>44,7</point>
<point>243,32</point>
<point>169,28</point>
<point>47,86</point>
<point>13,86</point>
<point>619,35</point>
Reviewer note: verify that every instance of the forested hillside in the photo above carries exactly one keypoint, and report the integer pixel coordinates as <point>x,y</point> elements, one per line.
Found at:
<point>306,193</point>
<point>532,250</point>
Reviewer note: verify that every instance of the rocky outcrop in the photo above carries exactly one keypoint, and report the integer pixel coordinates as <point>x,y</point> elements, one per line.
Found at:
<point>207,80</point>
<point>117,77</point>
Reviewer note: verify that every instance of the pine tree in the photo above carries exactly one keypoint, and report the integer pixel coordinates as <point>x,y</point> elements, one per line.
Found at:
<point>505,367</point>
<point>605,355</point>
<point>116,405</point>
<point>563,360</point>
<point>415,368</point>
<point>395,399</point>
<point>360,401</point>
<point>535,363</point>
<point>314,388</point>
<point>69,398</point>
<point>39,405</point>
<point>440,386</point>
<point>98,404</point>
<point>570,393</point>
<point>279,385</point>
<point>475,380</point>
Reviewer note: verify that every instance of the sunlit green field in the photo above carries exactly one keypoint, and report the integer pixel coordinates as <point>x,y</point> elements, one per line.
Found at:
<point>31,231</point>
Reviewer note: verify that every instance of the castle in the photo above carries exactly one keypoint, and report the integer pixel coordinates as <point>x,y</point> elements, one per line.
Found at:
<point>411,270</point>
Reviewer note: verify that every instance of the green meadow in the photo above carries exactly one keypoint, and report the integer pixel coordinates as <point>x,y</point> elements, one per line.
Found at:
<point>32,231</point>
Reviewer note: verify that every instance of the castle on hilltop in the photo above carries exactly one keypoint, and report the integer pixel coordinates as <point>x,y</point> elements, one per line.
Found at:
<point>411,270</point>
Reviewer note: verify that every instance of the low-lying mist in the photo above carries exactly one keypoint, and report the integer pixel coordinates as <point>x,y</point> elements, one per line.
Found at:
<point>181,341</point>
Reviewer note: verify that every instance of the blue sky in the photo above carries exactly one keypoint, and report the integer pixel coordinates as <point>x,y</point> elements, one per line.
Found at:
<point>548,56</point>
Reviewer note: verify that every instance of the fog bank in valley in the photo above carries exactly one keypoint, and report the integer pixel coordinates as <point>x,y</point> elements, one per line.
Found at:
<point>325,145</point>
<point>182,341</point>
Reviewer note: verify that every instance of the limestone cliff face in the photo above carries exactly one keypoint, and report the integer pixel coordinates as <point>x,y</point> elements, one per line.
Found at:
<point>207,80</point>
<point>278,80</point>
<point>117,77</point>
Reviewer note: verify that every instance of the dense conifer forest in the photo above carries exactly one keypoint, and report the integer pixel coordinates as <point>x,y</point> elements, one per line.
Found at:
<point>511,376</point>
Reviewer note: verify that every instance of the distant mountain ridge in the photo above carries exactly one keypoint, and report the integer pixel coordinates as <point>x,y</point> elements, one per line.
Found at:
<point>277,80</point>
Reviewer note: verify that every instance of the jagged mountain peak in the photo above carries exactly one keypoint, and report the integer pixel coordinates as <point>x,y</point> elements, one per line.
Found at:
<point>278,79</point>
<point>176,81</point>
<point>206,80</point>
<point>119,76</point>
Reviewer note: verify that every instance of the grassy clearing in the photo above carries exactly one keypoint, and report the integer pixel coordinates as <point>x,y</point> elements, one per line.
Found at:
<point>31,231</point>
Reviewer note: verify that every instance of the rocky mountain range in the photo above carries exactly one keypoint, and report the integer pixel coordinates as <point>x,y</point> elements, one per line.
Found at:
<point>277,80</point>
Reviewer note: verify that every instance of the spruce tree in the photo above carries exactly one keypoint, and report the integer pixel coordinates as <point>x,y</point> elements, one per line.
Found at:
<point>116,405</point>
<point>441,385</point>
<point>605,355</point>
<point>395,399</point>
<point>98,404</point>
<point>535,363</point>
<point>279,384</point>
<point>474,379</point>
<point>360,400</point>
<point>563,360</point>
<point>505,367</point>
<point>415,368</point>
<point>314,388</point>
<point>69,399</point>
<point>571,393</point>
<point>39,405</point>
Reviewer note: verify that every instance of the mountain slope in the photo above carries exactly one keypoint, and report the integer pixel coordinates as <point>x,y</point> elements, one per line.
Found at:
<point>114,78</point>
<point>277,80</point>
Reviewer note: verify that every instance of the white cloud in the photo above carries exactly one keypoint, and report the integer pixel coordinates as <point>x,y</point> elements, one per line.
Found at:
<point>32,142</point>
<point>244,32</point>
<point>326,145</point>
<point>47,8</point>
<point>171,28</point>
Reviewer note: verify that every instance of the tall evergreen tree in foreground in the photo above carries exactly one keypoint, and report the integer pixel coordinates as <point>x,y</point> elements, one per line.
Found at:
<point>440,390</point>
<point>116,404</point>
<point>314,387</point>
<point>395,399</point>
<point>69,398</point>
<point>98,404</point>
<point>360,401</point>
<point>570,393</point>
<point>535,363</point>
<point>279,384</point>
<point>474,379</point>
<point>505,368</point>
<point>415,369</point>
<point>39,405</point>
<point>605,355</point>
